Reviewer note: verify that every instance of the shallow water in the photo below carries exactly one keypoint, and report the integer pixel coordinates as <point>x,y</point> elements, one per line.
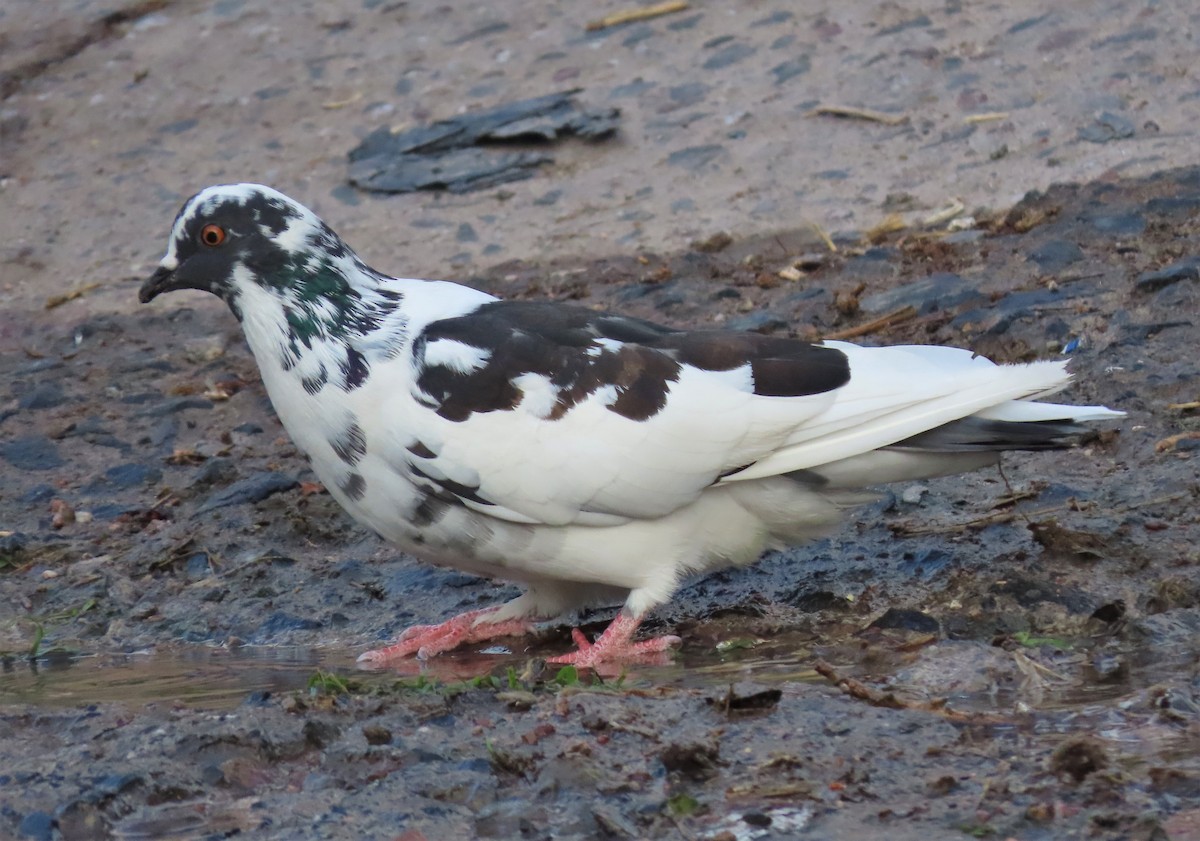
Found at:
<point>199,677</point>
<point>214,678</point>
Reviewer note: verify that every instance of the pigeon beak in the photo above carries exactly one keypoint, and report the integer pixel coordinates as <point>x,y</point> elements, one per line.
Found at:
<point>156,284</point>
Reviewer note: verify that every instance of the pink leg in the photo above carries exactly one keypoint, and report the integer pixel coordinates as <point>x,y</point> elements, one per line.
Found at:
<point>428,640</point>
<point>616,643</point>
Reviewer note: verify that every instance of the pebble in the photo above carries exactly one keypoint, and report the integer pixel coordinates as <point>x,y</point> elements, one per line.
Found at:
<point>12,545</point>
<point>757,322</point>
<point>939,291</point>
<point>925,563</point>
<point>688,94</point>
<point>904,619</point>
<point>696,157</point>
<point>130,475</point>
<point>1185,269</point>
<point>1055,255</point>
<point>790,69</point>
<point>253,488</point>
<point>280,622</point>
<point>204,349</point>
<point>38,826</point>
<point>1119,224</point>
<point>729,56</point>
<point>42,396</point>
<point>31,452</point>
<point>1107,127</point>
<point>174,405</point>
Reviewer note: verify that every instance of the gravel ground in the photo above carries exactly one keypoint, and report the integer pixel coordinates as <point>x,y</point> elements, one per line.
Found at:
<point>993,655</point>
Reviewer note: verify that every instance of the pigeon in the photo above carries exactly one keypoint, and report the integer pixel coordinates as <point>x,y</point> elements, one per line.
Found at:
<point>591,457</point>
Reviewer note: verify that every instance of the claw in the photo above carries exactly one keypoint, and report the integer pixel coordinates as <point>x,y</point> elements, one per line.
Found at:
<point>426,641</point>
<point>615,644</point>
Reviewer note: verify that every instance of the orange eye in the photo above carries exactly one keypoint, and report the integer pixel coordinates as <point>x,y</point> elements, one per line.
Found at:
<point>212,235</point>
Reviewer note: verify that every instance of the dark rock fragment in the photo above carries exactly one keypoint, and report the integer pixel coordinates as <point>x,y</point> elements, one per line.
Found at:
<point>939,291</point>
<point>254,488</point>
<point>38,826</point>
<point>1185,269</point>
<point>696,157</point>
<point>729,56</point>
<point>695,760</point>
<point>45,395</point>
<point>175,404</point>
<point>31,452</point>
<point>790,69</point>
<point>446,155</point>
<point>901,619</point>
<point>1078,757</point>
<point>1055,255</point>
<point>757,322</point>
<point>1106,127</point>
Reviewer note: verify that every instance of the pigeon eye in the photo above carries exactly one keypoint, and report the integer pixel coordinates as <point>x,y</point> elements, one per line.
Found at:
<point>212,235</point>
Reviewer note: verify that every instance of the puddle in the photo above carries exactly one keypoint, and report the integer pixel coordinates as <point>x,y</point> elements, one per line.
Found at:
<point>220,679</point>
<point>198,677</point>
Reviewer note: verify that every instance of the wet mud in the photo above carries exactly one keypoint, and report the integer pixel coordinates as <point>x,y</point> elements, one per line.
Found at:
<point>996,655</point>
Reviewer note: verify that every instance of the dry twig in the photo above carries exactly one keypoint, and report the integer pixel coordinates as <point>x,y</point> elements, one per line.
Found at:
<point>1167,444</point>
<point>853,113</point>
<point>986,117</point>
<point>78,292</point>
<point>888,700</point>
<point>825,238</point>
<point>890,320</point>
<point>642,13</point>
<point>1005,516</point>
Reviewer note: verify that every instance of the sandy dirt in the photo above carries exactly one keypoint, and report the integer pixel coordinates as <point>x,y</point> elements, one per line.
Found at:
<point>987,656</point>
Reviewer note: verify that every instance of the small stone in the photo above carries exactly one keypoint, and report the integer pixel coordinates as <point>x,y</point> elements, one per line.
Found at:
<point>12,545</point>
<point>913,493</point>
<point>42,396</point>
<point>1078,757</point>
<point>1185,269</point>
<point>757,322</point>
<point>1106,127</point>
<point>810,261</point>
<point>132,475</point>
<point>729,56</point>
<point>1055,255</point>
<point>790,69</point>
<point>204,349</point>
<point>38,826</point>
<point>711,245</point>
<point>376,734</point>
<point>1109,667</point>
<point>686,94</point>
<point>176,404</point>
<point>62,514</point>
<point>319,734</point>
<point>901,619</point>
<point>31,452</point>
<point>939,291</point>
<point>254,488</point>
<point>279,622</point>
<point>696,157</point>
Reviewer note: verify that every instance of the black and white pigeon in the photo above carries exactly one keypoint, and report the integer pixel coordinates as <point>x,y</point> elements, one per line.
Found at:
<point>589,456</point>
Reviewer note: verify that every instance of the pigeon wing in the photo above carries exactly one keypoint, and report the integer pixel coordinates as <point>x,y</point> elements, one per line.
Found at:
<point>547,413</point>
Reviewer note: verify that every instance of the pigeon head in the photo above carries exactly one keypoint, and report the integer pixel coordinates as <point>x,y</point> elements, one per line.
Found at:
<point>231,238</point>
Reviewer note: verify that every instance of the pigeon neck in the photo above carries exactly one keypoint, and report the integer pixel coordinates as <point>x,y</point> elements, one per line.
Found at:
<point>317,317</point>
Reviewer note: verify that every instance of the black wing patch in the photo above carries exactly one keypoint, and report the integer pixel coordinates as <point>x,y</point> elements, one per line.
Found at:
<point>567,345</point>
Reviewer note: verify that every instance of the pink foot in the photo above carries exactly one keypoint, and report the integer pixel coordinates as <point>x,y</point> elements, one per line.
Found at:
<point>427,640</point>
<point>615,644</point>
